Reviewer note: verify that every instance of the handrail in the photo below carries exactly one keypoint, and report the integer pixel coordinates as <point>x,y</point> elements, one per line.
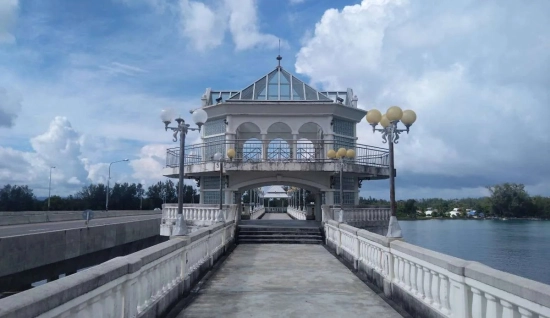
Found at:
<point>447,285</point>
<point>255,151</point>
<point>130,286</point>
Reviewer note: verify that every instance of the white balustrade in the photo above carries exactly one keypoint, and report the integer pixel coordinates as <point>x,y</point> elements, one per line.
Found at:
<point>199,214</point>
<point>257,212</point>
<point>297,214</point>
<point>130,294</point>
<point>449,286</point>
<point>358,217</point>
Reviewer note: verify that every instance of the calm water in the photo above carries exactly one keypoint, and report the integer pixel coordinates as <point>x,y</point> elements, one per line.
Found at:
<point>518,247</point>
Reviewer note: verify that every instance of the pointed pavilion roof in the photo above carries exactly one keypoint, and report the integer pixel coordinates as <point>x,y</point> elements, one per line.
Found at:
<point>280,85</point>
<point>275,192</point>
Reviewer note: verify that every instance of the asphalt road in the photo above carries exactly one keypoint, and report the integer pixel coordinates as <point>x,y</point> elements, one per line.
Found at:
<point>25,229</point>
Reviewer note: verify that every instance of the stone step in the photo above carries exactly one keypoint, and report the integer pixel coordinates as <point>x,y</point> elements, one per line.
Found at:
<point>273,229</point>
<point>244,232</point>
<point>279,241</point>
<point>276,237</point>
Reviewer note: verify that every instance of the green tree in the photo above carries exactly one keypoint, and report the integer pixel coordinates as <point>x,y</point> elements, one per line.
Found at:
<point>510,200</point>
<point>17,198</point>
<point>93,196</point>
<point>541,206</point>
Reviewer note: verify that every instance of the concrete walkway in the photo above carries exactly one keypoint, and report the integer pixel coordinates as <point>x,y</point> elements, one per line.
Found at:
<point>276,216</point>
<point>285,281</point>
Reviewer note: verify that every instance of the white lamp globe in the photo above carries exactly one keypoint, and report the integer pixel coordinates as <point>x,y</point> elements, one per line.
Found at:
<point>167,115</point>
<point>217,156</point>
<point>394,113</point>
<point>409,117</point>
<point>200,116</point>
<point>374,116</point>
<point>384,121</point>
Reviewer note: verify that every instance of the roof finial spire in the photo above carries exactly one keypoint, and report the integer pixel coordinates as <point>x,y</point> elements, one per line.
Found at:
<point>279,58</point>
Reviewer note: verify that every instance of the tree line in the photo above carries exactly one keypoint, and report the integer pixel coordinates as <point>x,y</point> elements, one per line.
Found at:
<point>506,200</point>
<point>122,196</point>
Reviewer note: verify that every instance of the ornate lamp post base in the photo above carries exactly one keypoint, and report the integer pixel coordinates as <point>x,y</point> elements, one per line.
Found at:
<point>181,226</point>
<point>394,230</point>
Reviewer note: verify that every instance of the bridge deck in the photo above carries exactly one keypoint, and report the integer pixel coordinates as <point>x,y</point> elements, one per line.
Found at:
<point>285,281</point>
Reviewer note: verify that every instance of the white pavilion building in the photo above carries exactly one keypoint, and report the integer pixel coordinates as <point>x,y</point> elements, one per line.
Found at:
<point>278,131</point>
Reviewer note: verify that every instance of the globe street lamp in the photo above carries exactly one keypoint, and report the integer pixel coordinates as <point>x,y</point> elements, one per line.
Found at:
<point>199,117</point>
<point>108,180</point>
<point>390,134</point>
<point>341,154</point>
<point>50,187</point>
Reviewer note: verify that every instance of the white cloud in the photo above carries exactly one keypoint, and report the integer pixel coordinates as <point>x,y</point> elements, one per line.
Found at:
<point>59,146</point>
<point>243,24</point>
<point>116,68</point>
<point>294,2</point>
<point>204,26</point>
<point>463,69</point>
<point>10,105</point>
<point>8,16</point>
<point>152,159</point>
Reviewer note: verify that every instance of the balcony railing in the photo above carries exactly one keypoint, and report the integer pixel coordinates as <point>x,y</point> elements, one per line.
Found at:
<point>255,151</point>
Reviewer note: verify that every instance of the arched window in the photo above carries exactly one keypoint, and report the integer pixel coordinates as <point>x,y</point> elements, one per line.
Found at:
<point>305,150</point>
<point>252,150</point>
<point>278,150</point>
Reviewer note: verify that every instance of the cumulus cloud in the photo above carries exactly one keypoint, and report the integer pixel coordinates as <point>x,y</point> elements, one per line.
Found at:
<point>243,25</point>
<point>206,25</point>
<point>474,73</point>
<point>58,147</point>
<point>152,159</point>
<point>10,105</point>
<point>8,15</point>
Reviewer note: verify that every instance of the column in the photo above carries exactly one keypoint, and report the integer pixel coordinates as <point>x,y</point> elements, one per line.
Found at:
<point>227,196</point>
<point>239,205</point>
<point>318,203</point>
<point>201,192</point>
<point>329,197</point>
<point>294,147</point>
<point>264,147</point>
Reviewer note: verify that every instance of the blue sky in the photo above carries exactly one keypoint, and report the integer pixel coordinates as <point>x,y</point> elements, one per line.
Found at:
<point>82,82</point>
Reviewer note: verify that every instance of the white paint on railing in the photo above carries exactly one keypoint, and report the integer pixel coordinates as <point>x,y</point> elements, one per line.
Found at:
<point>445,292</point>
<point>133,294</point>
<point>201,215</point>
<point>357,216</point>
<point>297,214</point>
<point>278,209</point>
<point>257,212</point>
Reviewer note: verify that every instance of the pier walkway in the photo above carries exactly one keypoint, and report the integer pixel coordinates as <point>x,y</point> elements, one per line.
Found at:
<point>278,280</point>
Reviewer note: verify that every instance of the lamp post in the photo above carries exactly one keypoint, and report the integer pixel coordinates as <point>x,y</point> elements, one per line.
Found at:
<point>108,180</point>
<point>341,154</point>
<point>50,187</point>
<point>199,117</point>
<point>390,134</point>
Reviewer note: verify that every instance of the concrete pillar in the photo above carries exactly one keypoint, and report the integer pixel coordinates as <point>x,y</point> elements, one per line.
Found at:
<point>264,147</point>
<point>303,199</point>
<point>201,192</point>
<point>329,197</point>
<point>227,196</point>
<point>318,212</point>
<point>294,147</point>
